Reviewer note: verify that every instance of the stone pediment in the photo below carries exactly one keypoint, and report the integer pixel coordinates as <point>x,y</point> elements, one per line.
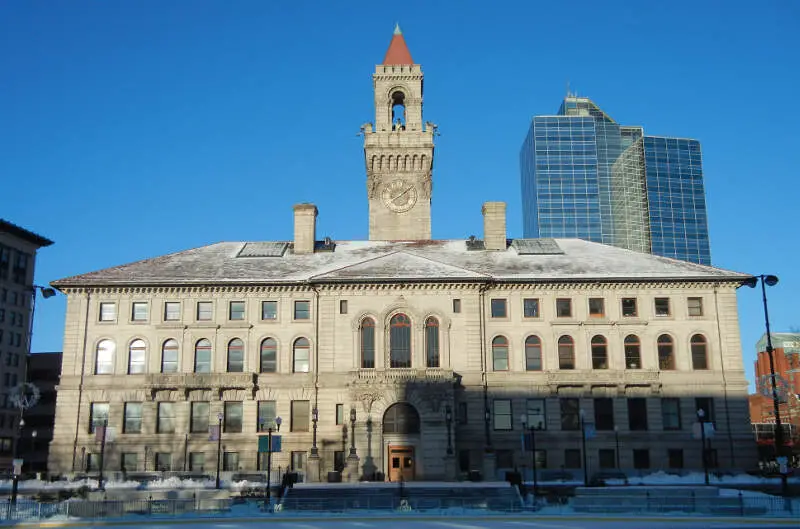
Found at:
<point>401,265</point>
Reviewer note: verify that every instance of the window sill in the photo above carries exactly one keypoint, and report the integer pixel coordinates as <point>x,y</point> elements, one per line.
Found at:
<point>236,324</point>
<point>630,321</point>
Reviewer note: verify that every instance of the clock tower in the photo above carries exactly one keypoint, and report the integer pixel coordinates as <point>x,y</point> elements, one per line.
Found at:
<point>398,151</point>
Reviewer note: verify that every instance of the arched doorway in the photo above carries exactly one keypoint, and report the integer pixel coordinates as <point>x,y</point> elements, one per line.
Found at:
<point>401,425</point>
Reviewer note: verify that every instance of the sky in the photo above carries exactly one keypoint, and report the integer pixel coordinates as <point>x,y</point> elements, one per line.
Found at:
<point>132,129</point>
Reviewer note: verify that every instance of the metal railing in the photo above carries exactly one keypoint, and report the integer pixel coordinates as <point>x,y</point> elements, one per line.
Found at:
<point>370,502</point>
<point>33,510</point>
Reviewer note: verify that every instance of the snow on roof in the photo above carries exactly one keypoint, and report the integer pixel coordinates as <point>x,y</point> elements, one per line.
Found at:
<point>382,261</point>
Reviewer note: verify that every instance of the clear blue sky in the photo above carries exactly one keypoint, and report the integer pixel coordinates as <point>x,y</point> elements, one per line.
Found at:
<point>132,129</point>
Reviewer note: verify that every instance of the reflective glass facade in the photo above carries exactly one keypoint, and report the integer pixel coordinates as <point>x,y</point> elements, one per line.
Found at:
<point>676,199</point>
<point>586,176</point>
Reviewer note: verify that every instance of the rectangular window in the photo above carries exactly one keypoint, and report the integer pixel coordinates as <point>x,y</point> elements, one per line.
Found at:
<point>504,459</point>
<point>499,308</point>
<point>139,311</point>
<point>707,405</point>
<point>166,417</point>
<point>695,306</point>
<point>671,413</point>
<point>298,461</point>
<point>572,458</point>
<point>607,458</point>
<point>564,308</point>
<point>597,308</point>
<point>300,411</point>
<point>92,462</point>
<point>570,413</point>
<point>302,310</point>
<point>266,415</point>
<point>269,310</point>
<point>163,461</point>
<point>98,415</point>
<point>342,306</point>
<point>456,306</point>
<point>129,462</point>
<point>530,308</point>
<point>629,309</point>
<point>108,311</point>
<point>463,413</point>
<point>540,458</point>
<point>233,417</point>
<point>536,414</point>
<point>502,414</point>
<point>172,311</point>
<point>637,414</point>
<point>199,419</point>
<point>197,462</point>
<point>604,414</point>
<point>230,461</point>
<point>641,458</point>
<point>205,310</point>
<point>236,310</point>
<point>340,414</point>
<point>133,418</point>
<point>662,306</point>
<point>675,458</point>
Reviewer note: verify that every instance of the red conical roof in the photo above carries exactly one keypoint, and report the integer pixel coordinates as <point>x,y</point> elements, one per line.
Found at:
<point>398,51</point>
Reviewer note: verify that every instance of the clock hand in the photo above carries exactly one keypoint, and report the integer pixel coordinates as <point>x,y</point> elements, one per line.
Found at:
<point>403,193</point>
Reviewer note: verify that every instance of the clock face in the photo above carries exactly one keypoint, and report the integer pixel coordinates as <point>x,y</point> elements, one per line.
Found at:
<point>399,195</point>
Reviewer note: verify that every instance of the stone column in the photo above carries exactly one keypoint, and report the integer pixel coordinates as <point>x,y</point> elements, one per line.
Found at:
<point>351,470</point>
<point>450,467</point>
<point>312,468</point>
<point>489,467</point>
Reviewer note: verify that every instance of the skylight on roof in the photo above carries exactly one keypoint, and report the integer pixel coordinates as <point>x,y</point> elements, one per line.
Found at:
<point>537,247</point>
<point>263,249</point>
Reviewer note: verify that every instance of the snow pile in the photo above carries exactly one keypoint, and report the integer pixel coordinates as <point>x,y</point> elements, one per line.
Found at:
<point>693,478</point>
<point>178,483</point>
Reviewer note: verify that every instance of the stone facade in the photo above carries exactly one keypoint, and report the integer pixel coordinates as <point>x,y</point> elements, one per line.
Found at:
<point>434,348</point>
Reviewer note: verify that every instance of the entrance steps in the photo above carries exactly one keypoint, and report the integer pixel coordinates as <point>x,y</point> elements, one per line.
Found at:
<point>677,499</point>
<point>417,496</point>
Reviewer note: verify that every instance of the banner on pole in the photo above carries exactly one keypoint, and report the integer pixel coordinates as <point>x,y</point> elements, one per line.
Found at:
<point>213,433</point>
<point>263,444</point>
<point>99,432</point>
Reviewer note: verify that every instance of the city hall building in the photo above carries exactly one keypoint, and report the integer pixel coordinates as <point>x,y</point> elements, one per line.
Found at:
<point>401,357</point>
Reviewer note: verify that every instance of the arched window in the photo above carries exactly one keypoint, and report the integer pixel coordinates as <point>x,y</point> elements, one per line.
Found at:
<point>398,111</point>
<point>367,343</point>
<point>432,342</point>
<point>104,358</point>
<point>699,348</point>
<point>666,352</point>
<point>633,352</point>
<point>202,356</point>
<point>599,353</point>
<point>136,354</point>
<point>169,356</point>
<point>500,353</point>
<point>236,356</point>
<point>400,341</point>
<point>566,353</point>
<point>401,418</point>
<point>302,356</point>
<point>269,356</point>
<point>533,353</point>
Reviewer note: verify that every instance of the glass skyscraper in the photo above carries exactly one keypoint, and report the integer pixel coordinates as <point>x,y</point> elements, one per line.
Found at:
<point>586,176</point>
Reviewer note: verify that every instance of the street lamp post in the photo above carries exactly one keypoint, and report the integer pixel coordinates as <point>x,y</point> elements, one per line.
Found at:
<point>701,416</point>
<point>583,445</point>
<point>771,280</point>
<point>102,454</point>
<point>448,417</point>
<point>353,432</point>
<point>616,444</point>
<point>314,419</point>
<point>15,476</point>
<point>278,421</point>
<point>220,416</point>
<point>532,431</point>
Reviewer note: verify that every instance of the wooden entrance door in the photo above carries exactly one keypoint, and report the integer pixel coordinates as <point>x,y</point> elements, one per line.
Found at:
<point>401,463</point>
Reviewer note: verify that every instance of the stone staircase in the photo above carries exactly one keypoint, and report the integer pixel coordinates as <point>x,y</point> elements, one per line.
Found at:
<point>417,496</point>
<point>618,500</point>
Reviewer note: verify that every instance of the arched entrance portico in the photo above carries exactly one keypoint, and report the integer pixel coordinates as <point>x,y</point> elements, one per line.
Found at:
<point>401,429</point>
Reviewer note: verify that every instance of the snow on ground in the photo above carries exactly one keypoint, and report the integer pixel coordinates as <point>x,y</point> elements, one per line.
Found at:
<point>695,478</point>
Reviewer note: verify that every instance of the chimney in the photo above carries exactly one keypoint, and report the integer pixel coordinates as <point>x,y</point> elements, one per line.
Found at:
<point>494,225</point>
<point>305,228</point>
